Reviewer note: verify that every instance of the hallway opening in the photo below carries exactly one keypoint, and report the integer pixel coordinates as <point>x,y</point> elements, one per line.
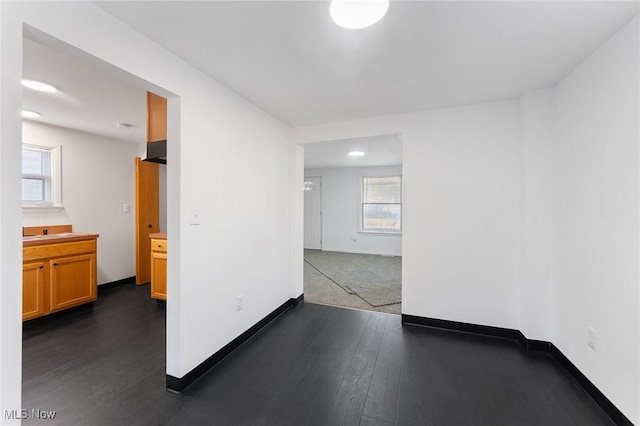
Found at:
<point>353,223</point>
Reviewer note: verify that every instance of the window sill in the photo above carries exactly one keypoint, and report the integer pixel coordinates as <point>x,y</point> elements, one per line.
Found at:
<point>394,234</point>
<point>42,209</point>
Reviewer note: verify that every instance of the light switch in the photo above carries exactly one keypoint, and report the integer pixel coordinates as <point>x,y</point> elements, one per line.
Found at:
<point>127,208</point>
<point>195,217</point>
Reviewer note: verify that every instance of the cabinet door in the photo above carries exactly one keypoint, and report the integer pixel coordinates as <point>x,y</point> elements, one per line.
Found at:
<point>147,215</point>
<point>72,280</point>
<point>156,118</point>
<point>159,275</point>
<point>33,287</point>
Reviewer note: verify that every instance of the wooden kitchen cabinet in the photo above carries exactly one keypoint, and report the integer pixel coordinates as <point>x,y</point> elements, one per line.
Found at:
<point>33,288</point>
<point>72,281</point>
<point>159,267</point>
<point>59,272</point>
<point>156,118</point>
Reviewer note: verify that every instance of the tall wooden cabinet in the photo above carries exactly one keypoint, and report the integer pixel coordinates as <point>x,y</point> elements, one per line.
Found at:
<point>58,273</point>
<point>147,175</point>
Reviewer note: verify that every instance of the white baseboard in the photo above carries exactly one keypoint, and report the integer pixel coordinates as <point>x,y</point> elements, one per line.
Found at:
<point>360,252</point>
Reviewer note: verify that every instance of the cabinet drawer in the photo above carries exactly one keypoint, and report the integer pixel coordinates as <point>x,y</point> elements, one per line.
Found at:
<point>159,245</point>
<point>57,250</point>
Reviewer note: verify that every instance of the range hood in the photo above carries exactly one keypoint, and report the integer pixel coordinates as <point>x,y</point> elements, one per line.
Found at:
<point>156,152</point>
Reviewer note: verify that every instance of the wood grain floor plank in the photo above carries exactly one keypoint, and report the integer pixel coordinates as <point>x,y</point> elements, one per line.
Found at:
<point>382,399</point>
<point>350,399</point>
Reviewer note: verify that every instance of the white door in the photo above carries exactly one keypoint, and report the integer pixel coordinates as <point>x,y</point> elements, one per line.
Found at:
<point>313,212</point>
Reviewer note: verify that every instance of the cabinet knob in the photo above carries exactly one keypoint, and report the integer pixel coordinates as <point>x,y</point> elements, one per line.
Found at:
<point>55,264</point>
<point>150,226</point>
<point>40,267</point>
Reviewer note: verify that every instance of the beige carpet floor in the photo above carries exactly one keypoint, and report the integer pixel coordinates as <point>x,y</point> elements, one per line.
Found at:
<point>321,287</point>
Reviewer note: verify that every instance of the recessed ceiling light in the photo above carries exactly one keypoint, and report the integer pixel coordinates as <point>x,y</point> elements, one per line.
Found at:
<point>38,85</point>
<point>30,114</point>
<point>125,125</point>
<point>356,153</point>
<point>356,14</point>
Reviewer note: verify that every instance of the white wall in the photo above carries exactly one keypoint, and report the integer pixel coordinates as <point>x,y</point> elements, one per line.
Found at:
<point>10,214</point>
<point>341,211</point>
<point>97,180</point>
<point>596,214</point>
<point>462,208</point>
<point>219,146</point>
<point>536,126</point>
<point>296,225</point>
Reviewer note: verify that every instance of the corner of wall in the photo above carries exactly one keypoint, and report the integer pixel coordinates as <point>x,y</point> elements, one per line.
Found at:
<point>535,297</point>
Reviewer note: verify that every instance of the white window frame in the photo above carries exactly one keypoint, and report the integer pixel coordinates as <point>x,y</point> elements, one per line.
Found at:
<point>362,203</point>
<point>56,181</point>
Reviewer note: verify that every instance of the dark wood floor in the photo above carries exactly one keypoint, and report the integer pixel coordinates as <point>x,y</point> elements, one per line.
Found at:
<point>316,365</point>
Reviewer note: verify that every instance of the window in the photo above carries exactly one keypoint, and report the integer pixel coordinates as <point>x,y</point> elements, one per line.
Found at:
<point>40,176</point>
<point>382,204</point>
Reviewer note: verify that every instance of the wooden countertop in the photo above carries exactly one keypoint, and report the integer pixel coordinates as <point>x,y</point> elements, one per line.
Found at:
<point>38,240</point>
<point>158,235</point>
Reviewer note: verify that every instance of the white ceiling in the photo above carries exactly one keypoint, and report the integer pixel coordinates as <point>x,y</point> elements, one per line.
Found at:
<point>379,151</point>
<point>291,60</point>
<point>88,98</point>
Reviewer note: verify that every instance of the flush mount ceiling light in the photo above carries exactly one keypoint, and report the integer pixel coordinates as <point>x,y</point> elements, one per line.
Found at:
<point>29,114</point>
<point>356,153</point>
<point>356,14</point>
<point>39,86</point>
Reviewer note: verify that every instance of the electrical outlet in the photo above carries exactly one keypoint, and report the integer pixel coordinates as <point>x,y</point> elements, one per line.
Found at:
<point>592,338</point>
<point>239,302</point>
<point>127,208</point>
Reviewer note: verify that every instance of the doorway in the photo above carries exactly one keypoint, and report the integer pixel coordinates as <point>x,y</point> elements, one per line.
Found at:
<point>98,196</point>
<point>353,223</point>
